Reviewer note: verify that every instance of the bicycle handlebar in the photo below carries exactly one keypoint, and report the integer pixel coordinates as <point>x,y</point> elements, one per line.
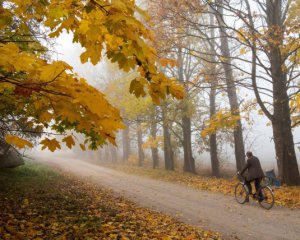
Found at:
<point>240,175</point>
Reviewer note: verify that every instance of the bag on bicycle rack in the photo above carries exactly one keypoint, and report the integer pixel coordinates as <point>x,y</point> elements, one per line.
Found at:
<point>272,178</point>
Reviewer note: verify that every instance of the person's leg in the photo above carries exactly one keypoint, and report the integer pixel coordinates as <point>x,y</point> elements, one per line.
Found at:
<point>257,187</point>
<point>248,184</point>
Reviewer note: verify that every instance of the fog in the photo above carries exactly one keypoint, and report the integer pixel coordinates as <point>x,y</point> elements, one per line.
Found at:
<point>258,137</point>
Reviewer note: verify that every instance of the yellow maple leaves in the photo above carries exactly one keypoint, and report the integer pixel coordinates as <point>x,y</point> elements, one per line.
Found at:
<point>69,141</point>
<point>114,27</point>
<point>152,142</point>
<point>166,61</point>
<point>218,121</point>
<point>17,141</point>
<point>51,144</point>
<point>59,96</point>
<point>49,94</point>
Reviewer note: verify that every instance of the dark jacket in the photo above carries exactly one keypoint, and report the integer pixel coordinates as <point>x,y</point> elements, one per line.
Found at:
<point>254,169</point>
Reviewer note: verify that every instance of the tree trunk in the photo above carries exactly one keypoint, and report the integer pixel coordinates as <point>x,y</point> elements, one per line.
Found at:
<point>239,148</point>
<point>168,152</point>
<point>281,121</point>
<point>212,104</point>
<point>285,152</point>
<point>153,130</point>
<point>189,161</point>
<point>140,143</point>
<point>113,153</point>
<point>281,118</point>
<point>213,137</point>
<point>126,143</point>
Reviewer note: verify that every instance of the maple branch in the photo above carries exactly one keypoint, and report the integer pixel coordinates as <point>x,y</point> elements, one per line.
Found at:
<point>32,131</point>
<point>100,6</point>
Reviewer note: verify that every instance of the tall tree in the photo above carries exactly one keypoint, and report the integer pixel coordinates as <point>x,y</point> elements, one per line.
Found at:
<point>126,143</point>
<point>168,151</point>
<point>239,148</point>
<point>141,154</point>
<point>153,132</point>
<point>188,160</point>
<point>212,101</point>
<point>276,14</point>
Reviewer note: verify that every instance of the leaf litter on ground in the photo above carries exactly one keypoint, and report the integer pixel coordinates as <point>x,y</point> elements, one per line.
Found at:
<point>284,196</point>
<point>37,203</point>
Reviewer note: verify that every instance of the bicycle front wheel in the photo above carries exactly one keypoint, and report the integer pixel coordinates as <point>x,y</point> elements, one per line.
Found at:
<point>240,193</point>
<point>268,198</point>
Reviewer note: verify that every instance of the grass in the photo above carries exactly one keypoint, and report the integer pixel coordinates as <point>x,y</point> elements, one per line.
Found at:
<point>30,171</point>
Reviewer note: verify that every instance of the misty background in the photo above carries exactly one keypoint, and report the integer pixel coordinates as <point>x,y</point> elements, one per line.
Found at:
<point>258,136</point>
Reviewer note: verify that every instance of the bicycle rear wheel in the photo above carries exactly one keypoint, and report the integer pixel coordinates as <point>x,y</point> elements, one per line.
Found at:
<point>240,193</point>
<point>268,198</point>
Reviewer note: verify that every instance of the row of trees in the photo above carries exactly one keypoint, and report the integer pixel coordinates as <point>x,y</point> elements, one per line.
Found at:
<point>217,48</point>
<point>222,48</point>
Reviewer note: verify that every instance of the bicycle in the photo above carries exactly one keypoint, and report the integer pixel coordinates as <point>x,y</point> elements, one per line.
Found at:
<point>242,193</point>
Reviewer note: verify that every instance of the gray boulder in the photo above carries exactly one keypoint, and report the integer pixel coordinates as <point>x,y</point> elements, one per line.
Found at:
<point>9,156</point>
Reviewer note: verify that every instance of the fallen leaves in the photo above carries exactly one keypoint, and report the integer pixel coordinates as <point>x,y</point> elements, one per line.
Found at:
<point>39,204</point>
<point>284,196</point>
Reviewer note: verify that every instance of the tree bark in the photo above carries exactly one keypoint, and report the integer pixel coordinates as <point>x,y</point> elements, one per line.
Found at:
<point>213,137</point>
<point>140,144</point>
<point>281,121</point>
<point>168,152</point>
<point>153,131</point>
<point>239,148</point>
<point>212,104</point>
<point>189,161</point>
<point>126,143</point>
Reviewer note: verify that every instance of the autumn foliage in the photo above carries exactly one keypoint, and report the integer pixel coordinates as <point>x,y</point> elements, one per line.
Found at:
<point>48,94</point>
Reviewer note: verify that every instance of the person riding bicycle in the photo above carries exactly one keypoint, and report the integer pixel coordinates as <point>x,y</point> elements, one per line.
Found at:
<point>255,173</point>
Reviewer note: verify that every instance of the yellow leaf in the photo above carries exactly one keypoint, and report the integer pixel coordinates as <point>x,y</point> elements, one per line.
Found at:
<point>17,141</point>
<point>69,141</point>
<point>243,51</point>
<point>52,71</point>
<point>25,203</point>
<point>82,146</point>
<point>167,61</point>
<point>52,144</point>
<point>137,88</point>
<point>45,117</point>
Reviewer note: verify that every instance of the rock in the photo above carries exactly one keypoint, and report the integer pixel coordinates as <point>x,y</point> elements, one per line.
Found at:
<point>9,156</point>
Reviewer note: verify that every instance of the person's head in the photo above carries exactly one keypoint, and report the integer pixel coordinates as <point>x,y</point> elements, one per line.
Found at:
<point>249,154</point>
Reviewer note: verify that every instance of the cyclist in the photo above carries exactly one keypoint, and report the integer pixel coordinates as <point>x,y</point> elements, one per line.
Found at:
<point>255,173</point>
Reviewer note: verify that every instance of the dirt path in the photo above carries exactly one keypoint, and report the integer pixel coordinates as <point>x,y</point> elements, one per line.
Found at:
<point>207,210</point>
